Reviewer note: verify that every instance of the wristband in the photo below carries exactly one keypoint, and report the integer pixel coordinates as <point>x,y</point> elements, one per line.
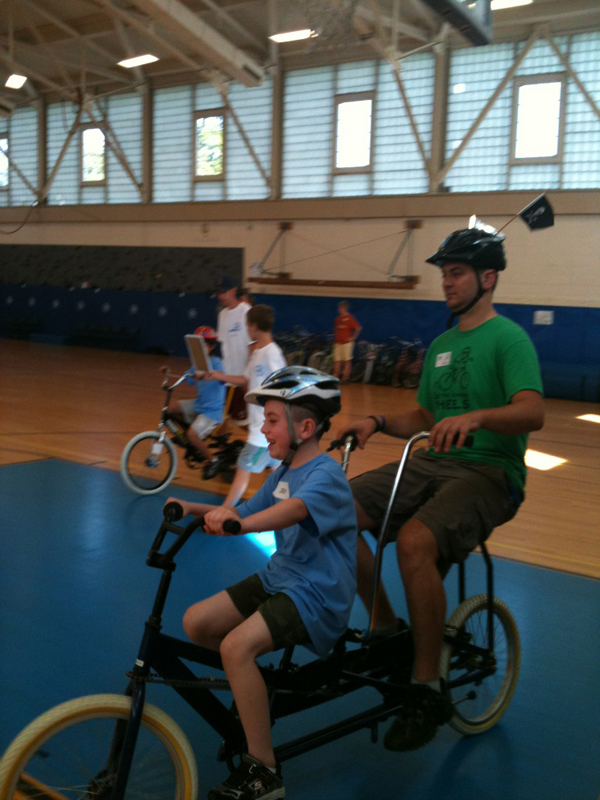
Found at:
<point>379,425</point>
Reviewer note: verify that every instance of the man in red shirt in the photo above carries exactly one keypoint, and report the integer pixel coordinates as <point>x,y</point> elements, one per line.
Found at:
<point>347,330</point>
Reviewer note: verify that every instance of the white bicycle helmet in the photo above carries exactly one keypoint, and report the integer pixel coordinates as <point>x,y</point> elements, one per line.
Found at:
<point>302,386</point>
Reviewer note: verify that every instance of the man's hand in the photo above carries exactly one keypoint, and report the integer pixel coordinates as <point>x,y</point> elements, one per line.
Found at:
<point>363,428</point>
<point>453,430</point>
<point>213,521</point>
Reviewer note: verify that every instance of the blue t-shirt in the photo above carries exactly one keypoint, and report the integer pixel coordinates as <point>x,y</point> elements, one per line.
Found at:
<point>210,395</point>
<point>315,560</point>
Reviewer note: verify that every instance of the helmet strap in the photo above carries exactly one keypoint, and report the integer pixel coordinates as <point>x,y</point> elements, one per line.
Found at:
<point>479,294</point>
<point>295,442</point>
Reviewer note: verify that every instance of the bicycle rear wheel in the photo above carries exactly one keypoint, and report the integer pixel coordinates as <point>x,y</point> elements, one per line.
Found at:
<point>66,753</point>
<point>148,465</point>
<point>480,702</point>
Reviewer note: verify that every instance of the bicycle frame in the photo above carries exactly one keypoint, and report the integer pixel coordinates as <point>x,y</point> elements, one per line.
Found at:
<point>381,663</point>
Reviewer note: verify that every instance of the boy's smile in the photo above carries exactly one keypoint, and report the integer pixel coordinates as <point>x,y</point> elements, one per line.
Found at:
<point>275,429</point>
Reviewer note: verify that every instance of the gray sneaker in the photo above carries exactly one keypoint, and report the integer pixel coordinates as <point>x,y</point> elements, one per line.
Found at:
<point>251,780</point>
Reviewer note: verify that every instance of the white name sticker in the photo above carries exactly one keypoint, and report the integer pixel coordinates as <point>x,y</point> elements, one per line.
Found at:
<point>443,359</point>
<point>282,491</point>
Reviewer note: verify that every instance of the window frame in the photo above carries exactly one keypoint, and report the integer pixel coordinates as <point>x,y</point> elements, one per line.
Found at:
<point>7,187</point>
<point>82,182</point>
<point>209,112</point>
<point>352,97</point>
<point>528,80</point>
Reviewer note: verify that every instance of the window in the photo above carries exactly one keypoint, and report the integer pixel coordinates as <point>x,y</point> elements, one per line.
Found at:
<point>3,163</point>
<point>209,145</point>
<point>353,132</point>
<point>538,118</point>
<point>93,156</point>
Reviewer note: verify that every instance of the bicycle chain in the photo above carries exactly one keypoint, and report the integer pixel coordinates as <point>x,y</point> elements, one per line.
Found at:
<point>197,683</point>
<point>219,684</point>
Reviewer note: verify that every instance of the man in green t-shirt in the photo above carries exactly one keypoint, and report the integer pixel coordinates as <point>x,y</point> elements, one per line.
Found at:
<point>480,379</point>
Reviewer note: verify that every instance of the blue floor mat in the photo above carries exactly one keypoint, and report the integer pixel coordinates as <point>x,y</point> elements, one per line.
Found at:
<point>75,591</point>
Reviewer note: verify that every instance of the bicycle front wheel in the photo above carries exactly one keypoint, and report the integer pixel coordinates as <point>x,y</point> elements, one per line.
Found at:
<point>480,700</point>
<point>147,464</point>
<point>66,753</point>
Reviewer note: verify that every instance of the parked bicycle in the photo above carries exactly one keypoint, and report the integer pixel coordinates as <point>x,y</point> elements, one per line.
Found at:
<point>149,460</point>
<point>119,747</point>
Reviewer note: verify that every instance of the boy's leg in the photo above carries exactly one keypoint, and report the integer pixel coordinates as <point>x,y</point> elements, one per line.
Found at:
<point>208,622</point>
<point>238,487</point>
<point>239,651</point>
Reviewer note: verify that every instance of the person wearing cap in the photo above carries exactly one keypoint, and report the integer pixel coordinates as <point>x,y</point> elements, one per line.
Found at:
<point>234,338</point>
<point>480,378</point>
<point>205,411</point>
<point>305,592</point>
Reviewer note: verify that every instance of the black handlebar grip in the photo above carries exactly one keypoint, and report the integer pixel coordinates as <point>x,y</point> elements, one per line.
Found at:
<point>232,526</point>
<point>173,511</point>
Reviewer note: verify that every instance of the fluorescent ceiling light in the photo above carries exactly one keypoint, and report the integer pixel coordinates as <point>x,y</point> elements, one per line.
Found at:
<point>542,461</point>
<point>497,4</point>
<point>590,417</point>
<point>138,61</point>
<point>292,36</point>
<point>15,81</point>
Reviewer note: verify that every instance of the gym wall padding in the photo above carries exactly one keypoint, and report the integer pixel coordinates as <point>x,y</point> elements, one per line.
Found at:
<point>157,321</point>
<point>166,269</point>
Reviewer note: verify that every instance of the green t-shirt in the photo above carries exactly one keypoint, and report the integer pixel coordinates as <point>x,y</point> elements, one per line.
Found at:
<point>482,368</point>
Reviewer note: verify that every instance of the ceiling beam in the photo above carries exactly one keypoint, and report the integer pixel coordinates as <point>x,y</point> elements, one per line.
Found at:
<point>204,40</point>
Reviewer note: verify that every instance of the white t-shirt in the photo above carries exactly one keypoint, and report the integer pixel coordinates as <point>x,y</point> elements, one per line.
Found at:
<point>262,363</point>
<point>233,335</point>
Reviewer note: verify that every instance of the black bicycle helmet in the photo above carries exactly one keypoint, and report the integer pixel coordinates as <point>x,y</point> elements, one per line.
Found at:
<point>309,388</point>
<point>478,248</point>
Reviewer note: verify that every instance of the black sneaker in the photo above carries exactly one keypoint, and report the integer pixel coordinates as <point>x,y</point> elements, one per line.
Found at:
<point>423,712</point>
<point>211,470</point>
<point>250,781</point>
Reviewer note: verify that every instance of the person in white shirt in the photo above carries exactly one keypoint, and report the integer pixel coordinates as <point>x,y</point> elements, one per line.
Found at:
<point>265,359</point>
<point>232,333</point>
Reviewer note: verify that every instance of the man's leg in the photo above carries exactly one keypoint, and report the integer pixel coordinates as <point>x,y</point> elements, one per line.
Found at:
<point>417,558</point>
<point>384,613</point>
<point>337,365</point>
<point>347,370</point>
<point>427,704</point>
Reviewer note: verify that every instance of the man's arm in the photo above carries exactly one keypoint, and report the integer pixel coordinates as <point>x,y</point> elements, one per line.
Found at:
<point>403,426</point>
<point>524,413</point>
<point>236,380</point>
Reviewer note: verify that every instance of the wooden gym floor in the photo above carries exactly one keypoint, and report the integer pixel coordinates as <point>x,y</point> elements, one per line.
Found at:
<point>83,405</point>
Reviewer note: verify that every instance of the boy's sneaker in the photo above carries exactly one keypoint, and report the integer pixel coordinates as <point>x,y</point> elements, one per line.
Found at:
<point>211,470</point>
<point>250,781</point>
<point>423,712</point>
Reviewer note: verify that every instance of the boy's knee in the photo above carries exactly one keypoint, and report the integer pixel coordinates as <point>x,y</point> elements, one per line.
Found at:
<point>192,623</point>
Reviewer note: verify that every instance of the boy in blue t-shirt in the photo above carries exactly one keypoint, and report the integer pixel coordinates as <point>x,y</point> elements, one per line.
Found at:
<point>304,593</point>
<point>205,412</point>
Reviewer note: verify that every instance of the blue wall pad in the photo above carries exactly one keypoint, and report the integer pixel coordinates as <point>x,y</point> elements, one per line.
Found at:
<point>75,592</point>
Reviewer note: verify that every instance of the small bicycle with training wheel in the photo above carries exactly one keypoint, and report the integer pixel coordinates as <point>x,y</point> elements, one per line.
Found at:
<point>149,460</point>
<point>113,747</point>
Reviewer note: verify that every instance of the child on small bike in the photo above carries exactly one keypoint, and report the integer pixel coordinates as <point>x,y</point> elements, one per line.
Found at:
<point>205,412</point>
<point>305,592</point>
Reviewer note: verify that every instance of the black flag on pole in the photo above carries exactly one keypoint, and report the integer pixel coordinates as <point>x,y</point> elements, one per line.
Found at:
<point>539,214</point>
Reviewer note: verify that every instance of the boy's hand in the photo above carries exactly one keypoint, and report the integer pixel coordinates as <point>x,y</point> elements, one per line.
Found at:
<point>363,428</point>
<point>213,521</point>
<point>199,375</point>
<point>214,376</point>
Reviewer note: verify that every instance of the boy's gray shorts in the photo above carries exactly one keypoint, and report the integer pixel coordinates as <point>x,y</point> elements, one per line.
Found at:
<point>460,502</point>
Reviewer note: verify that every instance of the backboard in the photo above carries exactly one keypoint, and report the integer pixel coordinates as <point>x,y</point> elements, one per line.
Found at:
<point>198,353</point>
<point>473,18</point>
